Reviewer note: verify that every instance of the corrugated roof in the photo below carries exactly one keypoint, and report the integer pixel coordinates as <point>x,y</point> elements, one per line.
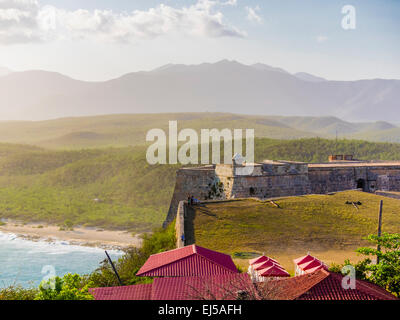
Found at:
<point>187,261</point>
<point>319,285</point>
<point>323,285</point>
<point>217,287</point>
<point>304,259</point>
<point>309,264</point>
<point>265,264</point>
<point>273,271</point>
<point>261,259</point>
<point>135,292</point>
<point>331,289</point>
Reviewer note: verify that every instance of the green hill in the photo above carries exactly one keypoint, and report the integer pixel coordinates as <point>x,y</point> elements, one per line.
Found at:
<point>322,224</point>
<point>130,129</point>
<point>61,185</point>
<point>122,130</point>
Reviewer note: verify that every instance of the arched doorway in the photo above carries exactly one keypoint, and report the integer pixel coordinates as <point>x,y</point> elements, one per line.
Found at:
<point>361,184</point>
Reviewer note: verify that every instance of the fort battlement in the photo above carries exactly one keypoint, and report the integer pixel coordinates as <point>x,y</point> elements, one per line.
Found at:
<point>283,178</point>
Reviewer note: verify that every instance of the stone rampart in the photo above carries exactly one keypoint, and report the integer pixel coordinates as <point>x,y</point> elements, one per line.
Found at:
<point>281,178</point>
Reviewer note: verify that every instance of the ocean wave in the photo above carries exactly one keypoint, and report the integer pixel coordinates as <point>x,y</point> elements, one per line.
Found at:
<point>50,247</point>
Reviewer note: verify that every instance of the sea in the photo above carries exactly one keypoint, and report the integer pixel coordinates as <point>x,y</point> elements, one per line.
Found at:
<point>27,263</point>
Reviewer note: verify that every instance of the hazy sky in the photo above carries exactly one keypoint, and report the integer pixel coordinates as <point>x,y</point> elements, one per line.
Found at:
<point>103,39</point>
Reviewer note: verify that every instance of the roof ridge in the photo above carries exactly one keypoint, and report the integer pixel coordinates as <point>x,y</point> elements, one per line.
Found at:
<point>159,253</point>
<point>200,255</point>
<point>366,285</point>
<point>166,264</point>
<point>194,248</point>
<point>326,273</point>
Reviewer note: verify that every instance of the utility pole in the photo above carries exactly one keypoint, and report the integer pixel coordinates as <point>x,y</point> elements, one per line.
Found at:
<point>115,270</point>
<point>379,228</point>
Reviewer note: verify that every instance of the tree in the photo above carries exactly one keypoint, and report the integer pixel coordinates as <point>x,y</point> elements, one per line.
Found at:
<point>387,272</point>
<point>69,287</point>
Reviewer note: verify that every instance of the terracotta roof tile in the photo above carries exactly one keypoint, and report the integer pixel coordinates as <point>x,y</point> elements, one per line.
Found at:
<point>220,287</point>
<point>273,271</point>
<point>265,264</point>
<point>135,292</point>
<point>261,259</point>
<point>188,261</point>
<point>323,285</point>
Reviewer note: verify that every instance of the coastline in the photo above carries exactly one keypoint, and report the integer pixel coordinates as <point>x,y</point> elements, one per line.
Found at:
<point>89,237</point>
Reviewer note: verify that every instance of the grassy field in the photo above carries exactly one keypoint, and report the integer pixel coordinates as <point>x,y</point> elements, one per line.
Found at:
<point>60,186</point>
<point>321,224</point>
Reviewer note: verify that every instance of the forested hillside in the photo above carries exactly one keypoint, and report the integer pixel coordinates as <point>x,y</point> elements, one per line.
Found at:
<point>116,188</point>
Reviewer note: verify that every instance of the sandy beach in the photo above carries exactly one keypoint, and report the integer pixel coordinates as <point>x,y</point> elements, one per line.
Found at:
<point>93,237</point>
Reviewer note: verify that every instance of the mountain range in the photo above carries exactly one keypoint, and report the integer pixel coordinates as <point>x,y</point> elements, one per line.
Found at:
<point>225,86</point>
<point>120,130</point>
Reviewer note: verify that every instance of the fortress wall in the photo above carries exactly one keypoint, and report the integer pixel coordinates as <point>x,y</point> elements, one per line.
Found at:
<point>180,225</point>
<point>386,180</point>
<point>281,180</point>
<point>270,186</point>
<point>195,182</point>
<point>325,180</point>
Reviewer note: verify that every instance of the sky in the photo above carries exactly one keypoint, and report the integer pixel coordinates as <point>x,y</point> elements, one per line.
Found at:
<point>98,40</point>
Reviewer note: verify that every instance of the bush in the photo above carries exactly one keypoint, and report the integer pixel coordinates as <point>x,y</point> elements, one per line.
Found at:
<point>18,293</point>
<point>69,287</point>
<point>129,264</point>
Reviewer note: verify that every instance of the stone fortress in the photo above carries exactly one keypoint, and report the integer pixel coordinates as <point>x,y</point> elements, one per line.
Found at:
<point>271,179</point>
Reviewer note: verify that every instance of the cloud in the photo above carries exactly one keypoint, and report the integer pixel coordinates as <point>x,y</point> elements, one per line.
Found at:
<point>18,21</point>
<point>321,39</point>
<point>24,21</point>
<point>253,16</point>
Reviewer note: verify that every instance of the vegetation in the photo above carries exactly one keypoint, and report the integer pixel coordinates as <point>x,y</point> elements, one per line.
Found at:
<point>122,130</point>
<point>385,272</point>
<point>115,188</point>
<point>76,287</point>
<point>129,264</point>
<point>110,188</point>
<point>16,292</point>
<point>300,224</point>
<point>69,287</point>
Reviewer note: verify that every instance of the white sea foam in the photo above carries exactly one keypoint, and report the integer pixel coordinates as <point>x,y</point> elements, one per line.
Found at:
<point>22,260</point>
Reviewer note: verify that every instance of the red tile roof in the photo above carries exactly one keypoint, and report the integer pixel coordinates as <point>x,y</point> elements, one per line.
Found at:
<point>261,259</point>
<point>331,289</point>
<point>304,259</point>
<point>135,292</point>
<point>265,264</point>
<point>323,285</point>
<point>273,271</point>
<point>217,287</point>
<point>312,265</point>
<point>309,264</point>
<point>187,261</point>
<point>319,285</point>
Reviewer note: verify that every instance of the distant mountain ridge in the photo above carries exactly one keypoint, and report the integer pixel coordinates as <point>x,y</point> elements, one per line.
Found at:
<point>121,130</point>
<point>225,86</point>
